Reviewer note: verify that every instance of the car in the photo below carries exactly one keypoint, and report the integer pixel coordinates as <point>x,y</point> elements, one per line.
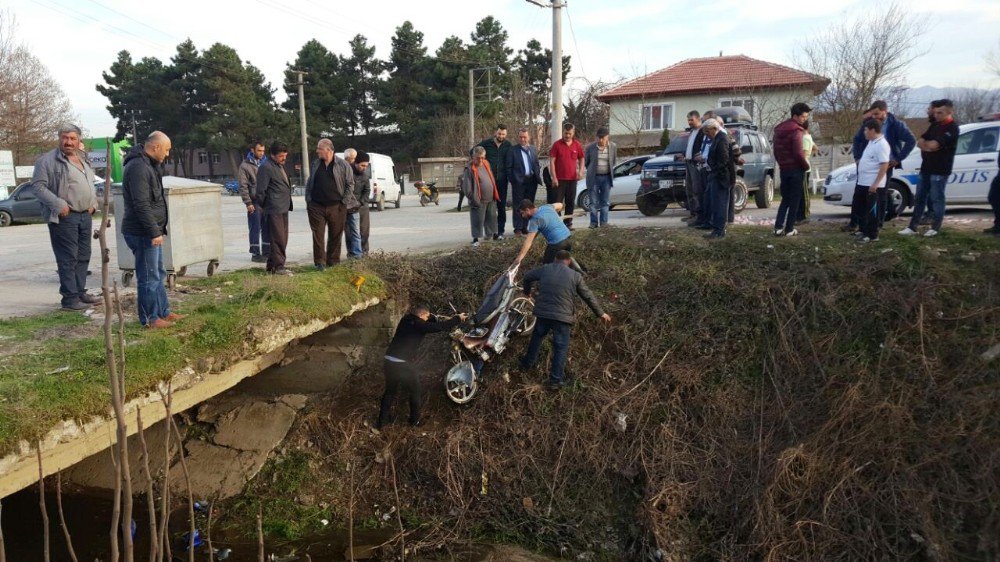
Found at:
<point>627,175</point>
<point>663,178</point>
<point>385,186</point>
<point>974,169</point>
<point>22,206</point>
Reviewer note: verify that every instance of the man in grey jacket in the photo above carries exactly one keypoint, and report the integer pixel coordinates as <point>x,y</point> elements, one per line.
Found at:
<point>329,197</point>
<point>558,285</point>
<point>600,158</point>
<point>64,184</point>
<point>275,192</point>
<point>260,238</point>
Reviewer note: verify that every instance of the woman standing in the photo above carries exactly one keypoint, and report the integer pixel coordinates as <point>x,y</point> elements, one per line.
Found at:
<point>480,187</point>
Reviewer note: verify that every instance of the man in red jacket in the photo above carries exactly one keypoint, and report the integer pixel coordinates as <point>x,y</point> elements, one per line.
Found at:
<point>566,168</point>
<point>792,161</point>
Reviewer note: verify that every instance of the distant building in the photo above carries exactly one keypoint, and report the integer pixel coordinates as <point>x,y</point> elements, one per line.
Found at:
<point>643,108</point>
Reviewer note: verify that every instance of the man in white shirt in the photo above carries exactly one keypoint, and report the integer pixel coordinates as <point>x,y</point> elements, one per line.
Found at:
<point>873,168</point>
<point>693,180</point>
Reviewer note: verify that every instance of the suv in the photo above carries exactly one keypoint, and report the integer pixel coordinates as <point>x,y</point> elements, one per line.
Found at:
<point>663,178</point>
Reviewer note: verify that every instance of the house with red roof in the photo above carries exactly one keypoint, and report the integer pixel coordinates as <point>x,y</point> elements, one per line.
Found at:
<point>641,109</point>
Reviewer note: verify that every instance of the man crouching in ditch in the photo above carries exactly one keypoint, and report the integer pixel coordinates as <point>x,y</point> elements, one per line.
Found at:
<point>400,370</point>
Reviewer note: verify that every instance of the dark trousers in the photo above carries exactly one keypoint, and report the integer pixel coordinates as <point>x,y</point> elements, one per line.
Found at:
<point>150,293</point>
<point>805,208</point>
<point>323,220</point>
<point>560,346</point>
<point>502,206</point>
<point>694,186</point>
<point>704,202</point>
<point>364,213</point>
<point>994,199</point>
<point>400,376</point>
<point>260,235</point>
<point>519,192</point>
<point>564,193</point>
<point>791,198</point>
<point>871,209</point>
<point>461,195</point>
<point>277,225</point>
<point>720,195</point>
<point>71,238</point>
<point>551,249</point>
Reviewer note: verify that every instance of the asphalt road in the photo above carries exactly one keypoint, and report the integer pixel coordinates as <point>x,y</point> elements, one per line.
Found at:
<point>29,284</point>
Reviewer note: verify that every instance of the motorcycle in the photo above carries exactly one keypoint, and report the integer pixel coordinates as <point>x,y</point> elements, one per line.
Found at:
<point>505,313</point>
<point>428,192</point>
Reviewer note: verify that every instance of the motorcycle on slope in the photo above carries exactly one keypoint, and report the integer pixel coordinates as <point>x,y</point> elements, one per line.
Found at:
<point>428,192</point>
<point>505,313</point>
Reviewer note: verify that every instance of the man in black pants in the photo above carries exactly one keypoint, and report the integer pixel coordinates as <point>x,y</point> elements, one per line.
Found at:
<point>400,372</point>
<point>994,199</point>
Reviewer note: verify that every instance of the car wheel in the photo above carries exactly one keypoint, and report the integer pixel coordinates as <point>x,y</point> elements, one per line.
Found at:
<point>897,202</point>
<point>583,200</point>
<point>5,218</point>
<point>380,204</point>
<point>765,195</point>
<point>740,195</point>
<point>650,207</point>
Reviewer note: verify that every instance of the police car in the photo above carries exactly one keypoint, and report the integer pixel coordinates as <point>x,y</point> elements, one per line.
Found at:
<point>975,167</point>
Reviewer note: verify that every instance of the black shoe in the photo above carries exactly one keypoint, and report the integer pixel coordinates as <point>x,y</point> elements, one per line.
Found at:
<point>257,258</point>
<point>704,227</point>
<point>715,235</point>
<point>90,299</point>
<point>77,306</point>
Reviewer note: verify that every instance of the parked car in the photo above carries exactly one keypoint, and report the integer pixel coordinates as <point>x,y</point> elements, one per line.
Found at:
<point>627,175</point>
<point>974,169</point>
<point>22,206</point>
<point>662,180</point>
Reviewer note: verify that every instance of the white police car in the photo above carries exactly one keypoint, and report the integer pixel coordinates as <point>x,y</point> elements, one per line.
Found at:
<point>975,167</point>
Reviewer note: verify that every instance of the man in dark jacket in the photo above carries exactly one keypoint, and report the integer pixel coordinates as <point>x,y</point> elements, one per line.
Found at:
<point>721,174</point>
<point>791,159</point>
<point>260,238</point>
<point>359,222</point>
<point>400,370</point>
<point>497,149</point>
<point>558,286</point>
<point>329,196</point>
<point>63,182</point>
<point>901,143</point>
<point>692,179</point>
<point>275,192</point>
<point>144,226</point>
<point>937,151</point>
<point>524,174</point>
<point>994,199</point>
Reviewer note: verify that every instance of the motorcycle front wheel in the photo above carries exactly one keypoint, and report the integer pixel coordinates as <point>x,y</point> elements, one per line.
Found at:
<point>461,383</point>
<point>423,200</point>
<point>522,309</point>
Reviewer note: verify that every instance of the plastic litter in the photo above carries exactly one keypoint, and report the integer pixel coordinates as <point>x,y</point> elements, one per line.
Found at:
<point>185,540</point>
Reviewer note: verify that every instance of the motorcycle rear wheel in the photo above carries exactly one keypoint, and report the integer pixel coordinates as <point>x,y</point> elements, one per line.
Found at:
<point>458,385</point>
<point>523,307</point>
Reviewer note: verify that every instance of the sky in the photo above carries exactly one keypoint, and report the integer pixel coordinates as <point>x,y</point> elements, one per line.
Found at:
<point>79,39</point>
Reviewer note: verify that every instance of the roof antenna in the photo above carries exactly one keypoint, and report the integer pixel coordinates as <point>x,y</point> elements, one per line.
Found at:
<point>720,53</point>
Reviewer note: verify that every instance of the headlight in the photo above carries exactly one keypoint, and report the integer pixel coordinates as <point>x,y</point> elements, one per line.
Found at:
<point>649,174</point>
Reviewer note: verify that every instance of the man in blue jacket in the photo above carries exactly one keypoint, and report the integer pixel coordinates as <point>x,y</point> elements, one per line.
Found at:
<point>901,143</point>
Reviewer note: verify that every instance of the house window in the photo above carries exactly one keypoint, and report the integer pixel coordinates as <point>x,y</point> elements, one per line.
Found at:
<point>658,117</point>
<point>215,158</point>
<point>202,157</point>
<point>745,103</point>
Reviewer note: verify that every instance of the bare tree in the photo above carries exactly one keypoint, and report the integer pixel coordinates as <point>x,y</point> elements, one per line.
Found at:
<point>971,103</point>
<point>863,58</point>
<point>32,104</point>
<point>993,61</point>
<point>587,112</point>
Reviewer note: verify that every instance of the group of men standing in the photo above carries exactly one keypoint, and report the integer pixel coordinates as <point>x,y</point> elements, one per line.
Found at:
<point>337,195</point>
<point>497,168</point>
<point>711,157</point>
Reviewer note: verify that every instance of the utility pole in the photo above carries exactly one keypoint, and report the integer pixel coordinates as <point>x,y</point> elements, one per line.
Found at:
<point>135,137</point>
<point>302,126</point>
<point>472,107</point>
<point>555,130</point>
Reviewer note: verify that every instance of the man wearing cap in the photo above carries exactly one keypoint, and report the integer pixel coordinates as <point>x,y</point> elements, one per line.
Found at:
<point>901,143</point>
<point>359,221</point>
<point>600,158</point>
<point>64,184</point>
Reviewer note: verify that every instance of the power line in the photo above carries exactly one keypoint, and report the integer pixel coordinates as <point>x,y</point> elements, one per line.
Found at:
<point>572,32</point>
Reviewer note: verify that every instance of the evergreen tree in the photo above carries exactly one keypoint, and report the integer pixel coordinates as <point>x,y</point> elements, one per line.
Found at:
<point>362,74</point>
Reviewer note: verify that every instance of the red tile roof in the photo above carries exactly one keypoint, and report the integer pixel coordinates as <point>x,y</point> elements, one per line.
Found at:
<point>715,74</point>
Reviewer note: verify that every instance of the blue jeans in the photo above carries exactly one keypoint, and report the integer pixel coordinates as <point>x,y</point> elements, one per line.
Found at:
<point>600,194</point>
<point>791,196</point>
<point>930,196</point>
<point>718,197</point>
<point>560,346</point>
<point>353,232</point>
<point>151,295</point>
<point>71,238</point>
<point>260,236</point>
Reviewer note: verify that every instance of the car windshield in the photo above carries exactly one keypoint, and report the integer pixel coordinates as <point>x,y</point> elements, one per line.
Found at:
<point>677,146</point>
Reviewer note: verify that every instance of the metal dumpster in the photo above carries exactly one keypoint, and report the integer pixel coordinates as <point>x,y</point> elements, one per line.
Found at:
<point>194,233</point>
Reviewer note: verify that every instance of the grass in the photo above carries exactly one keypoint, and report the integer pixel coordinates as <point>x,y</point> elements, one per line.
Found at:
<point>53,368</point>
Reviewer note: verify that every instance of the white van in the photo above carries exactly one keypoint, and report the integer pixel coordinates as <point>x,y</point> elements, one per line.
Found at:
<point>385,186</point>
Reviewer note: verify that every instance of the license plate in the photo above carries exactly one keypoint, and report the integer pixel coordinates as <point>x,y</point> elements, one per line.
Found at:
<point>666,184</point>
